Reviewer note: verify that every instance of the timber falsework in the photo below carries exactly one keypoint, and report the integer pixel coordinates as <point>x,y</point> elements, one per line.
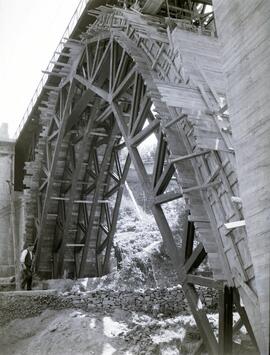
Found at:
<point>128,77</point>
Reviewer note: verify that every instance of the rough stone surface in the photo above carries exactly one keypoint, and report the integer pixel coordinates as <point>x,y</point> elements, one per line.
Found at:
<point>169,301</point>
<point>6,171</point>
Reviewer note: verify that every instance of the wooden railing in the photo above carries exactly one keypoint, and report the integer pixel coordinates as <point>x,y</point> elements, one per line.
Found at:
<point>70,27</point>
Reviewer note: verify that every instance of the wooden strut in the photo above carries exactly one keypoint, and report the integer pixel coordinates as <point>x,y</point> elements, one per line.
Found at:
<point>126,98</point>
<point>97,226</point>
<point>70,199</point>
<point>193,258</point>
<point>166,233</point>
<point>51,176</point>
<point>225,320</point>
<point>95,201</point>
<point>106,222</point>
<point>82,208</point>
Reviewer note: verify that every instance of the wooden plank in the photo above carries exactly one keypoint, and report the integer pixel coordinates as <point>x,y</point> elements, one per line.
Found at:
<point>160,155</point>
<point>188,239</point>
<point>121,69</point>
<point>125,82</point>
<point>201,187</point>
<point>164,179</point>
<point>196,258</point>
<point>115,214</point>
<point>136,95</point>
<point>74,245</point>
<point>236,224</point>
<point>96,89</point>
<point>201,319</point>
<point>188,156</point>
<point>145,133</point>
<point>175,120</point>
<point>142,115</point>
<point>225,321</point>
<point>204,281</point>
<point>101,61</point>
<point>167,197</point>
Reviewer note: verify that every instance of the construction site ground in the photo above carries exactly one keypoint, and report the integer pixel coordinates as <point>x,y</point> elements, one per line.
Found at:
<point>55,318</point>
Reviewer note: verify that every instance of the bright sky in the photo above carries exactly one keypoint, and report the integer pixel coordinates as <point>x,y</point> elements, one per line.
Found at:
<point>29,33</point>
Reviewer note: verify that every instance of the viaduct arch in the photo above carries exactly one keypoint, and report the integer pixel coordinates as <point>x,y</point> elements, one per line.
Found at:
<point>128,77</point>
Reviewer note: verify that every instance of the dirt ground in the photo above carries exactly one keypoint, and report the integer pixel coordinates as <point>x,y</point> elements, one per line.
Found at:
<point>64,332</point>
<point>120,332</point>
<point>70,331</point>
<point>76,332</point>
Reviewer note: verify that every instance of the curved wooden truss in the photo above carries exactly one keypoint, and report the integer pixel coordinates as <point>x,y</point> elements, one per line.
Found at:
<point>125,86</point>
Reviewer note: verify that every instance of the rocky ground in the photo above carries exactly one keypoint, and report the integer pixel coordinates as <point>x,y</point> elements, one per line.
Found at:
<point>119,332</point>
<point>61,323</point>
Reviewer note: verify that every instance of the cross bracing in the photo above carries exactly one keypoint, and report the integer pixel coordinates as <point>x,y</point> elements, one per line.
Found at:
<point>123,66</point>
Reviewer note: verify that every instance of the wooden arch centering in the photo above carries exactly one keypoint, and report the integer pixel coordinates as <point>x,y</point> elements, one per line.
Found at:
<point>105,105</point>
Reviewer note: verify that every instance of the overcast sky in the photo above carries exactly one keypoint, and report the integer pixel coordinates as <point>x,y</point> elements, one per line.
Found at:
<point>29,33</point>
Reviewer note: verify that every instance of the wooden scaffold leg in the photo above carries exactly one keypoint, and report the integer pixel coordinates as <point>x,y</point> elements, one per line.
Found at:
<point>225,320</point>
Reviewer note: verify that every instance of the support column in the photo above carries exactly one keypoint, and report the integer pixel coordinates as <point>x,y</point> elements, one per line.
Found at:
<point>225,320</point>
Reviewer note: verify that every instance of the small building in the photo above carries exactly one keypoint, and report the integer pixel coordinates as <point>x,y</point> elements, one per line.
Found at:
<point>10,226</point>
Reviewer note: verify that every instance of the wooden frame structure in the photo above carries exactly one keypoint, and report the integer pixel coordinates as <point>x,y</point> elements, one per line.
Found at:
<point>122,82</point>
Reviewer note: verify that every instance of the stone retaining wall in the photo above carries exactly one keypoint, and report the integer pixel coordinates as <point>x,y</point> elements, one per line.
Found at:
<point>168,301</point>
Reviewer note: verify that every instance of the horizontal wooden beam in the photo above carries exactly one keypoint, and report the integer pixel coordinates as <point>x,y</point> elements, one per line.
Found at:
<point>90,202</point>
<point>235,224</point>
<point>167,197</point>
<point>201,187</point>
<point>189,156</point>
<point>53,73</point>
<point>204,281</point>
<point>53,88</point>
<point>75,245</point>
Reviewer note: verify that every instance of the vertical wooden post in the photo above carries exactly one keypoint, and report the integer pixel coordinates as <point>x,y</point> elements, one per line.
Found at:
<point>225,320</point>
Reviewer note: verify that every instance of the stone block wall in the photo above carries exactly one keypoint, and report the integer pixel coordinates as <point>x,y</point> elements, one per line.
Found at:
<point>154,301</point>
<point>6,242</point>
<point>168,301</point>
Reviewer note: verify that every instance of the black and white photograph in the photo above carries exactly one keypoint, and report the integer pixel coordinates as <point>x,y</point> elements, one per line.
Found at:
<point>134,177</point>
